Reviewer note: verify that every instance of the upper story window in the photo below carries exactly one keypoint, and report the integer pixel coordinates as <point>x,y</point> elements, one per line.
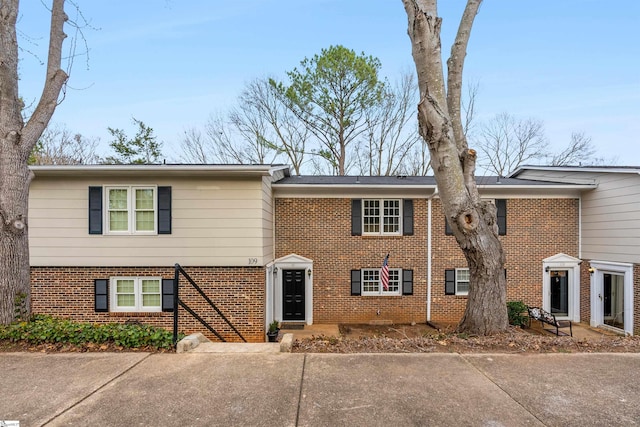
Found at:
<point>121,210</point>
<point>381,216</point>
<point>131,210</point>
<point>371,284</point>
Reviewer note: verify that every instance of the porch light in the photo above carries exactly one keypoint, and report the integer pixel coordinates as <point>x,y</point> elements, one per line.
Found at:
<point>275,271</point>
<point>309,273</point>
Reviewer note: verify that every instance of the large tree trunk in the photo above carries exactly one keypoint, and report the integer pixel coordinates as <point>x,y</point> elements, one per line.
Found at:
<point>16,142</point>
<point>472,220</point>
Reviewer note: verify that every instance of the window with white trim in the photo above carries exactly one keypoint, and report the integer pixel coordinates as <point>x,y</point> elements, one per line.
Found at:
<point>371,282</point>
<point>136,294</point>
<point>381,216</point>
<point>462,281</point>
<point>131,210</point>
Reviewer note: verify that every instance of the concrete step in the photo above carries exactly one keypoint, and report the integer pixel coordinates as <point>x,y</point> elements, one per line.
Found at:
<point>198,343</point>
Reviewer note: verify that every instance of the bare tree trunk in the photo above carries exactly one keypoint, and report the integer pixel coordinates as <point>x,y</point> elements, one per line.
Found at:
<point>16,142</point>
<point>472,220</point>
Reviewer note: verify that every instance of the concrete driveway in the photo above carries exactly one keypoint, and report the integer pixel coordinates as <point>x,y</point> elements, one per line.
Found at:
<point>284,389</point>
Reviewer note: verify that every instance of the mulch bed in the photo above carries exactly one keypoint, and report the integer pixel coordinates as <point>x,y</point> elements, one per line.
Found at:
<point>409,339</point>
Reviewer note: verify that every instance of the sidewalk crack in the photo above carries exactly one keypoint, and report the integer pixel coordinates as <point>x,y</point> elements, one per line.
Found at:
<point>485,375</point>
<point>96,390</point>
<point>304,364</point>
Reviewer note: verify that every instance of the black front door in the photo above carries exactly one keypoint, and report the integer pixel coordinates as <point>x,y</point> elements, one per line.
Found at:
<point>559,292</point>
<point>293,294</point>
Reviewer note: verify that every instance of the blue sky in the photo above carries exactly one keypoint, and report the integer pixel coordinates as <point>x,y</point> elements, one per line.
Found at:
<point>574,64</point>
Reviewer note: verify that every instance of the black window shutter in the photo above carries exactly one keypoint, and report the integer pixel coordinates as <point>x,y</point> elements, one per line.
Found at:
<point>167,294</point>
<point>356,217</point>
<point>95,210</point>
<point>501,205</point>
<point>101,295</point>
<point>449,282</point>
<point>356,287</point>
<point>407,217</point>
<point>164,210</point>
<point>447,228</point>
<point>407,282</point>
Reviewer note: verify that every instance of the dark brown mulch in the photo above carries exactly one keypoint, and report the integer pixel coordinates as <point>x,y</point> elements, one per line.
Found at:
<point>409,339</point>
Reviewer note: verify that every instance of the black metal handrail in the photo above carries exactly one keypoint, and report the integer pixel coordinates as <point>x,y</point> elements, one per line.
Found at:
<point>177,301</point>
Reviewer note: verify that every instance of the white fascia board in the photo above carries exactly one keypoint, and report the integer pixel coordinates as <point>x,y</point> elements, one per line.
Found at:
<point>634,170</point>
<point>141,170</point>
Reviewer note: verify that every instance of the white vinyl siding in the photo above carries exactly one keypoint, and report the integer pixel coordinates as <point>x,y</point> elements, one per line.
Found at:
<point>610,213</point>
<point>135,294</point>
<point>215,222</point>
<point>371,285</point>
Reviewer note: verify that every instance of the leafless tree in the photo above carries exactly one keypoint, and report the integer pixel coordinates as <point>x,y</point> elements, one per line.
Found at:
<point>579,151</point>
<point>472,220</point>
<point>17,140</point>
<point>391,132</point>
<point>259,129</point>
<point>59,146</point>
<point>506,142</point>
<point>284,132</point>
<point>196,148</point>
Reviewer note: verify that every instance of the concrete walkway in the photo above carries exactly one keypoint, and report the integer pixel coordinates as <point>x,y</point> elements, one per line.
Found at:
<point>285,389</point>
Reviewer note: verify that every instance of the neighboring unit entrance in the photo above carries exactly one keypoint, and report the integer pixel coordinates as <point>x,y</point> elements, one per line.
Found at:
<point>613,300</point>
<point>612,295</point>
<point>559,286</point>
<point>293,294</point>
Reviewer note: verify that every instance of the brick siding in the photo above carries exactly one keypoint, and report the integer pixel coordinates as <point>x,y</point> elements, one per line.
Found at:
<point>320,229</point>
<point>239,293</point>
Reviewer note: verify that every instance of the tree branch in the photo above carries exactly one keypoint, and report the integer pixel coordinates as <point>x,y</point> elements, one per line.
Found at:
<point>455,64</point>
<point>56,78</point>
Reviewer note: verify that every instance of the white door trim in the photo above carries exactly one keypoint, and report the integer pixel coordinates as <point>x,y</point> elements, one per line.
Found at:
<point>597,271</point>
<point>572,265</point>
<point>293,262</point>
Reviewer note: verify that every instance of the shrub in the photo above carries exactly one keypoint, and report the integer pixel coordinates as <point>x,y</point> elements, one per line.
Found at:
<point>47,329</point>
<point>515,310</point>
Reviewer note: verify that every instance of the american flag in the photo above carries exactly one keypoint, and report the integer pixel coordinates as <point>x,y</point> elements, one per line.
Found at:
<point>384,273</point>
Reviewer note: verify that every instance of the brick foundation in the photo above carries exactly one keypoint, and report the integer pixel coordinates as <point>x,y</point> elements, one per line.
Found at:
<point>239,293</point>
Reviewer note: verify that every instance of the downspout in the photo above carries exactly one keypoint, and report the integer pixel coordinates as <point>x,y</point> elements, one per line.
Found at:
<point>580,226</point>
<point>429,254</point>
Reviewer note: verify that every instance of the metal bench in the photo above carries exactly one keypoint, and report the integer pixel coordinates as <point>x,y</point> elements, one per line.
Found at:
<point>536,313</point>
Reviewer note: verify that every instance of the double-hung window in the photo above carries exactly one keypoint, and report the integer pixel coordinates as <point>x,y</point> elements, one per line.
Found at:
<point>371,284</point>
<point>462,281</point>
<point>131,210</point>
<point>381,216</point>
<point>136,294</point>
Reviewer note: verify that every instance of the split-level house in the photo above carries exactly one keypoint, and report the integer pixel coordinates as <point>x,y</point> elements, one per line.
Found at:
<point>265,245</point>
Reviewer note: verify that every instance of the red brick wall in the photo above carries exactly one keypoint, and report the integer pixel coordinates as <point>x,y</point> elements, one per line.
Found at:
<point>536,229</point>
<point>239,293</point>
<point>636,299</point>
<point>585,293</point>
<point>320,229</point>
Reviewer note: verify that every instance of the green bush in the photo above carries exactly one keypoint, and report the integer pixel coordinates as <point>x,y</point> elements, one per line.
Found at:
<point>517,313</point>
<point>46,329</point>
